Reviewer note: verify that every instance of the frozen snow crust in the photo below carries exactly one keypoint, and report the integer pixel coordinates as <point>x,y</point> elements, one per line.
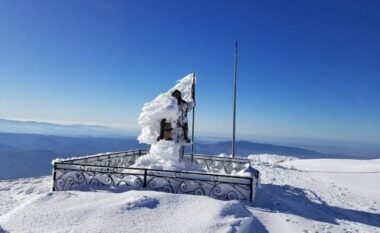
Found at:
<point>297,195</point>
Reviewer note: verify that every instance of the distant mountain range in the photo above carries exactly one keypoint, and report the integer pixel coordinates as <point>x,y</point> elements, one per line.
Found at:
<point>245,148</point>
<point>25,155</point>
<point>34,127</point>
<point>30,154</point>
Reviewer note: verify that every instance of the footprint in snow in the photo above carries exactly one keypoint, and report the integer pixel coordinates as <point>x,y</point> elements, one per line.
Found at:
<point>140,202</point>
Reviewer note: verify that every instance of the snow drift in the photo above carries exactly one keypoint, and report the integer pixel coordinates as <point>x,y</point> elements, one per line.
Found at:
<point>104,211</point>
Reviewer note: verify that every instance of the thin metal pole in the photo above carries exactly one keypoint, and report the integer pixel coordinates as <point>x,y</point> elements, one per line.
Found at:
<point>192,126</point>
<point>234,107</point>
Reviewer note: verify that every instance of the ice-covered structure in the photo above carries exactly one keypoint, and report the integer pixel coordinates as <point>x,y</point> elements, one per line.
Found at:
<point>164,167</point>
<point>166,106</point>
<point>164,126</point>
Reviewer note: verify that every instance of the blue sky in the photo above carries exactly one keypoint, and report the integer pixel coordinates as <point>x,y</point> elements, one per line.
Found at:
<point>307,69</point>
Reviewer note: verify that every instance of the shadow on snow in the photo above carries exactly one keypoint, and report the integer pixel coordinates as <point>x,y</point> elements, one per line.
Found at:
<point>307,204</point>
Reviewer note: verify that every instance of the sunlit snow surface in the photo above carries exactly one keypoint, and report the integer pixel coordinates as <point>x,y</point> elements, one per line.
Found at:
<point>319,195</point>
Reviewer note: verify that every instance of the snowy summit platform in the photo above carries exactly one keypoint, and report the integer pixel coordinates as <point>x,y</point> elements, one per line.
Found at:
<point>116,170</point>
<point>296,195</point>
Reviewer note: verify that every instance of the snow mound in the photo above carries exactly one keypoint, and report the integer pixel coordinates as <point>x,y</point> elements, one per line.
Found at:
<point>132,211</point>
<point>164,156</point>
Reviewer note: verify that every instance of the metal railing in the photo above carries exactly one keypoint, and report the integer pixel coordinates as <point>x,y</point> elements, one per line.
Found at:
<point>114,169</point>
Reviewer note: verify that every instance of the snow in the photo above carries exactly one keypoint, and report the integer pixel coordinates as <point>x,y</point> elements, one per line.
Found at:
<point>318,195</point>
<point>296,195</point>
<point>164,106</point>
<point>335,165</point>
<point>102,211</point>
<point>165,154</point>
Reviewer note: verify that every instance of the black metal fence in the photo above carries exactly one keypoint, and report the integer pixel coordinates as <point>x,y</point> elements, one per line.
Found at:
<point>114,169</point>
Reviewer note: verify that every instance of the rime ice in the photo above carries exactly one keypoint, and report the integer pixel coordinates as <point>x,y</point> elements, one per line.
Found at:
<point>164,152</point>
<point>164,106</point>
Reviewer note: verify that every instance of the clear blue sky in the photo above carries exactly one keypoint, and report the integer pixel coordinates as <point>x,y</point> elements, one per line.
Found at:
<point>307,69</point>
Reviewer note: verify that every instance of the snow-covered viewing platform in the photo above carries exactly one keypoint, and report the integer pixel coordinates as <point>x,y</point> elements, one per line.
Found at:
<point>116,170</point>
<point>165,167</point>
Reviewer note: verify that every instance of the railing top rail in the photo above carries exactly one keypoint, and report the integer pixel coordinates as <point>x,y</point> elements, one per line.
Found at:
<point>242,160</point>
<point>200,177</point>
<point>157,170</point>
<point>208,156</point>
<point>142,152</point>
<point>105,155</point>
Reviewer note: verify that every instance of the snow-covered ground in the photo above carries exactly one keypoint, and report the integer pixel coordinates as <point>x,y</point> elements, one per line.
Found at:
<point>318,195</point>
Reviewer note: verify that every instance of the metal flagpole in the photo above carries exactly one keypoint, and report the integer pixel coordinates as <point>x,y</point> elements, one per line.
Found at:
<point>234,107</point>
<point>192,126</point>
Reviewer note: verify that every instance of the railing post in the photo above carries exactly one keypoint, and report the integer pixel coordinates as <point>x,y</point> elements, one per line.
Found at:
<point>145,177</point>
<point>54,177</point>
<point>251,193</point>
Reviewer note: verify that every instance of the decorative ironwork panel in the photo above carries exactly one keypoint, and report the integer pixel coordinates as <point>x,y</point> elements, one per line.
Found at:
<point>216,186</point>
<point>215,189</point>
<point>71,177</point>
<point>120,161</point>
<point>224,166</point>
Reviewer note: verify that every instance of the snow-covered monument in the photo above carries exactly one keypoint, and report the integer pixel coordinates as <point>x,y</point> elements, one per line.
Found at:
<point>165,167</point>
